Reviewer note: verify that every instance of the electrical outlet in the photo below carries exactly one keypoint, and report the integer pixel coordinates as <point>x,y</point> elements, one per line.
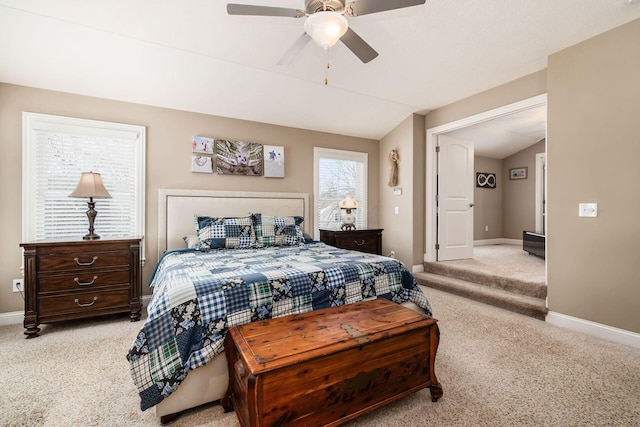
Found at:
<point>17,285</point>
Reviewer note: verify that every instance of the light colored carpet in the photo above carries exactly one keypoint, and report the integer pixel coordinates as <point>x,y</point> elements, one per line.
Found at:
<point>508,261</point>
<point>497,368</point>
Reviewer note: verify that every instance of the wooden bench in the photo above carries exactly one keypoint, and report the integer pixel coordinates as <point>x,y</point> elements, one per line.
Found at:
<point>328,366</point>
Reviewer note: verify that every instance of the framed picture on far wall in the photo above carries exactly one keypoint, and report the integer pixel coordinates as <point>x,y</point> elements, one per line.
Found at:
<point>518,173</point>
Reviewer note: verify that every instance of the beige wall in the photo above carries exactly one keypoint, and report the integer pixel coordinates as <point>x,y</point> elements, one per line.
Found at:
<point>403,232</point>
<point>593,150</point>
<point>169,134</point>
<point>519,195</point>
<point>488,201</point>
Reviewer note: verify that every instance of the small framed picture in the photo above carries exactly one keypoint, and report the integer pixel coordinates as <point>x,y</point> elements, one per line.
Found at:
<point>485,180</point>
<point>518,173</point>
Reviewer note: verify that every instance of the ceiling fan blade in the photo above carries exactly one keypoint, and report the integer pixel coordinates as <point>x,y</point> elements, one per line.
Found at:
<point>358,46</point>
<point>294,50</point>
<point>248,9</point>
<point>365,7</point>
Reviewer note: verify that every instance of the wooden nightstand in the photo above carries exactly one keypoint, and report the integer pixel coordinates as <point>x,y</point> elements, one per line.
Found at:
<point>365,240</point>
<point>67,280</point>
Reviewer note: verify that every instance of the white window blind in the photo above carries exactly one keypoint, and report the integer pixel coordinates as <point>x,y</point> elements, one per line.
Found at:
<point>338,173</point>
<point>56,150</point>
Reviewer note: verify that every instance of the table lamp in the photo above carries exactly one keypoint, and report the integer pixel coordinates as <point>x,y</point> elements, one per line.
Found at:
<point>91,186</point>
<point>348,217</point>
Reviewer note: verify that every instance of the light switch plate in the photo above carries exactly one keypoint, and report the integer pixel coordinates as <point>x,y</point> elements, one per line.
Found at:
<point>588,210</point>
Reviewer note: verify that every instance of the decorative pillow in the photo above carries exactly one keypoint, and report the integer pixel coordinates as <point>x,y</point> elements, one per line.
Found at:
<point>191,240</point>
<point>278,230</point>
<point>229,232</point>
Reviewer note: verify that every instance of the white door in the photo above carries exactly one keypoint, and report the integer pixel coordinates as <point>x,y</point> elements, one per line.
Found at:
<point>455,198</point>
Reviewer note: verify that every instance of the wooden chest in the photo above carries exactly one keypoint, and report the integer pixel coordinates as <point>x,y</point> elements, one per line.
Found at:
<point>328,366</point>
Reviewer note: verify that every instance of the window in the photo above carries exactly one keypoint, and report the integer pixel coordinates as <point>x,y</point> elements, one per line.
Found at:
<point>338,173</point>
<point>56,150</point>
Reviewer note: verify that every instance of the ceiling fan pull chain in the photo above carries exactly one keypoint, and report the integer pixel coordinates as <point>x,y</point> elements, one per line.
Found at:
<point>326,70</point>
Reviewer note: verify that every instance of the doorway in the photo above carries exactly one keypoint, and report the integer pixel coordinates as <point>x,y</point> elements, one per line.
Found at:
<point>432,238</point>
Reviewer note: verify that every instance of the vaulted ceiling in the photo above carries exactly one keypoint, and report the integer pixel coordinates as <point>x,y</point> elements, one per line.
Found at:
<point>193,56</point>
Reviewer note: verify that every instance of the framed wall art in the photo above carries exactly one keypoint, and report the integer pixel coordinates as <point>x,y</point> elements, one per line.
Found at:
<point>201,164</point>
<point>518,173</point>
<point>238,158</point>
<point>273,161</point>
<point>485,180</point>
<point>201,144</point>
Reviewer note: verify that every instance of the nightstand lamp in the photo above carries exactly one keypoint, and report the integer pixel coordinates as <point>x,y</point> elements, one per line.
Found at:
<point>91,186</point>
<point>348,217</point>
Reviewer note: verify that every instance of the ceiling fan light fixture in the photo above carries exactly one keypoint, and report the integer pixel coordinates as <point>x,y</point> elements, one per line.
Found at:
<point>326,28</point>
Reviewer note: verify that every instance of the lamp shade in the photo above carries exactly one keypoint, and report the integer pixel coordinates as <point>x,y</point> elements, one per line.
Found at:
<point>326,28</point>
<point>348,203</point>
<point>90,185</point>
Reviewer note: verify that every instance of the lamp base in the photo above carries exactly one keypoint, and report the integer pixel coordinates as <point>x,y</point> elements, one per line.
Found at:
<point>91,236</point>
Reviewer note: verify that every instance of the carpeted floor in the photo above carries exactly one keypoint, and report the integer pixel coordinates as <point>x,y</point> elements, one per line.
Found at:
<point>505,261</point>
<point>497,368</point>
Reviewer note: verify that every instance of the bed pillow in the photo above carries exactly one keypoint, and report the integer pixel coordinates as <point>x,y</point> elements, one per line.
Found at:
<point>277,230</point>
<point>227,232</point>
<point>191,240</point>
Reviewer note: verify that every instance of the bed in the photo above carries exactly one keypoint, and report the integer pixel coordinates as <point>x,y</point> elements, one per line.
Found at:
<point>263,267</point>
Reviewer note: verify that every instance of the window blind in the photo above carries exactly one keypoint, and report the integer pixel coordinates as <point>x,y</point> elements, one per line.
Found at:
<point>56,150</point>
<point>339,173</point>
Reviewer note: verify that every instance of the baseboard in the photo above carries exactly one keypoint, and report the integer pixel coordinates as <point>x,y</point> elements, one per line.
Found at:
<point>500,241</point>
<point>16,317</point>
<point>11,318</point>
<point>418,268</point>
<point>599,330</point>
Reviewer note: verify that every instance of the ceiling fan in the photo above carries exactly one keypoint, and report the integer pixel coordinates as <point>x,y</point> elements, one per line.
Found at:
<point>325,22</point>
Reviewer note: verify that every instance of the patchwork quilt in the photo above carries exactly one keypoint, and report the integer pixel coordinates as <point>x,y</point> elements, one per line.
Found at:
<point>199,295</point>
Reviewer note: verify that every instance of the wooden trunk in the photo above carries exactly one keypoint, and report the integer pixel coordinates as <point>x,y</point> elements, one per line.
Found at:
<point>328,366</point>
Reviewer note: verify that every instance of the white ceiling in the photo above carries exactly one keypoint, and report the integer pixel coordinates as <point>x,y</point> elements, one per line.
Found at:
<point>190,55</point>
<point>506,135</point>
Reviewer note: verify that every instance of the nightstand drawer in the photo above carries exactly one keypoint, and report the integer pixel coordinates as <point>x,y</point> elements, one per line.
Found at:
<point>83,302</point>
<point>82,260</point>
<point>82,280</point>
<point>364,240</point>
<point>358,243</point>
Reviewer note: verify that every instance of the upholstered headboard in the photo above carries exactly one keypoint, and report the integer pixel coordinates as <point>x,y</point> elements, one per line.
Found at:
<point>176,209</point>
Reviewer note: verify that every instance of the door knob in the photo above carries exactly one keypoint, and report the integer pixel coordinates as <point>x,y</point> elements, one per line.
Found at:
<point>471,205</point>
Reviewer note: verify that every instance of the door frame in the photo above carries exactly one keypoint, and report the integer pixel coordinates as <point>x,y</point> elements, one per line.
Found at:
<point>431,161</point>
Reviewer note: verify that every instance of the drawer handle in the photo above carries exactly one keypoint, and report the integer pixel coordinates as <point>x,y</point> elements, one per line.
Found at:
<point>84,264</point>
<point>79,283</point>
<point>359,244</point>
<point>88,304</point>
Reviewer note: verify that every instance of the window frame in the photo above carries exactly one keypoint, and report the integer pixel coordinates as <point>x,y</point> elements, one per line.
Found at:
<point>345,155</point>
<point>34,123</point>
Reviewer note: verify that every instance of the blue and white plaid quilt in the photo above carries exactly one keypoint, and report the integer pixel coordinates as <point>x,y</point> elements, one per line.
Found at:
<point>199,295</point>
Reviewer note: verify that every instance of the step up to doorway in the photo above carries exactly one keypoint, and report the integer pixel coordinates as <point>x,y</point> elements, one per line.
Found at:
<point>496,296</point>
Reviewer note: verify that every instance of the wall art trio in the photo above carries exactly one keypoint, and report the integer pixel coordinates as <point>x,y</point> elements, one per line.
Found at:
<point>236,157</point>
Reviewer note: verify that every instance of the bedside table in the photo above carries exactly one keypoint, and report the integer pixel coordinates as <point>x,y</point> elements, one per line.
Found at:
<point>67,280</point>
<point>365,240</point>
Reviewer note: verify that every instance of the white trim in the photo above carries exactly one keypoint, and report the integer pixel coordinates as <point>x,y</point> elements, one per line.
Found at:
<point>432,140</point>
<point>541,159</point>
<point>598,330</point>
<point>11,318</point>
<point>417,268</point>
<point>487,242</point>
